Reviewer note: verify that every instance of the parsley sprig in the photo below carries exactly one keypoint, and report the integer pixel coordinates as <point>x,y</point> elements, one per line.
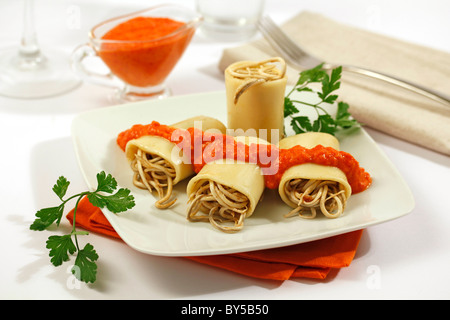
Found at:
<point>324,122</point>
<point>85,267</point>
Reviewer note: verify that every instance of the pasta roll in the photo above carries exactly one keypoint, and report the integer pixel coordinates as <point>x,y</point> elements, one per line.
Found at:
<point>309,188</point>
<point>225,192</point>
<point>255,97</point>
<point>206,123</point>
<point>158,164</point>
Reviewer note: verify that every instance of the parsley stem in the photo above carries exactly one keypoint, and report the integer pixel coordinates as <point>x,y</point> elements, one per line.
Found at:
<point>317,106</point>
<point>81,195</point>
<point>290,92</point>
<point>297,88</point>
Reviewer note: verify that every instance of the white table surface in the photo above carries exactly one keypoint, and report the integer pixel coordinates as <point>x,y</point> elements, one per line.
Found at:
<point>407,258</point>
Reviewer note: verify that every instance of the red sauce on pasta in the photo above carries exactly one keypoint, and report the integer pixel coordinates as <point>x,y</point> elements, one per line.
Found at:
<point>206,147</point>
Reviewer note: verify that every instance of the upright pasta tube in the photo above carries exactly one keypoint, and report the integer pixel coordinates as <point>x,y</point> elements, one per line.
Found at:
<point>255,98</point>
<point>310,188</point>
<point>225,192</point>
<point>158,164</point>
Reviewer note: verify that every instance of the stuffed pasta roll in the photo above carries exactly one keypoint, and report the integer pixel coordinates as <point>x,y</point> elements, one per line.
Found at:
<point>255,98</point>
<point>310,188</point>
<point>158,164</point>
<point>225,192</point>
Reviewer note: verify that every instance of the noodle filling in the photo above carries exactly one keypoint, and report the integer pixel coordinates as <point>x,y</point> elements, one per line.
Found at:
<point>312,195</point>
<point>221,204</point>
<point>154,173</point>
<point>257,72</point>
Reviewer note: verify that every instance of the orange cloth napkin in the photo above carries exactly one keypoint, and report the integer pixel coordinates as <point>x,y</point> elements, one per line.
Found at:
<point>307,260</point>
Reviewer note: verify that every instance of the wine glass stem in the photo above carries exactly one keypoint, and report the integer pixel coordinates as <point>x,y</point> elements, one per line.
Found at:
<point>29,50</point>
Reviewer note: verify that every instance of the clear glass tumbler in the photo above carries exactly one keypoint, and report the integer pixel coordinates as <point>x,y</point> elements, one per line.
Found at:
<point>230,20</point>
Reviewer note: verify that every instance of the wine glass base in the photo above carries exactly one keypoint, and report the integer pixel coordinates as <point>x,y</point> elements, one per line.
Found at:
<point>47,76</point>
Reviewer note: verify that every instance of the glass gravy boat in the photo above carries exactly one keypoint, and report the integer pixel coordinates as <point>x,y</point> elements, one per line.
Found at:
<point>138,67</point>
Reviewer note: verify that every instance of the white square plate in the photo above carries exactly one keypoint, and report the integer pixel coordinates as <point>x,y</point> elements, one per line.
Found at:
<point>169,233</point>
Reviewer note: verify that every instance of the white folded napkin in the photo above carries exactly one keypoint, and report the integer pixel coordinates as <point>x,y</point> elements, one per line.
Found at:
<point>379,105</point>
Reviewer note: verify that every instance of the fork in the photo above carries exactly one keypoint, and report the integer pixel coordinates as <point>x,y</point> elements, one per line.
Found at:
<point>301,59</point>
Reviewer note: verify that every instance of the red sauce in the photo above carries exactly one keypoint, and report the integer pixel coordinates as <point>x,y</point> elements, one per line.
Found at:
<point>151,50</point>
<point>268,157</point>
<point>139,130</point>
<point>357,177</point>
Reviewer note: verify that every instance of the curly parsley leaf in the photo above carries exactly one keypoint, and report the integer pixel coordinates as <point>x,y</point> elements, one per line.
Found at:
<point>105,183</point>
<point>330,83</point>
<point>85,268</point>
<point>301,124</point>
<point>343,117</point>
<point>60,188</point>
<point>324,123</point>
<point>118,202</point>
<point>46,217</point>
<point>61,247</point>
<point>289,108</point>
<point>316,74</point>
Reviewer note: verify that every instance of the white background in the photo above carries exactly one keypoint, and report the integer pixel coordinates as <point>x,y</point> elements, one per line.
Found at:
<point>403,259</point>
